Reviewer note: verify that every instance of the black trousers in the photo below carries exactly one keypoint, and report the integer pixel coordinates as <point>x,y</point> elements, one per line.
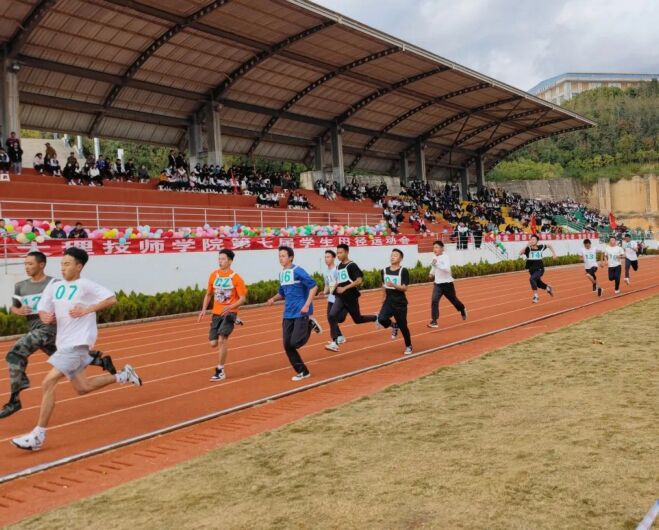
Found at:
<point>335,331</point>
<point>399,312</point>
<point>536,279</point>
<point>614,275</point>
<point>630,264</point>
<point>341,309</point>
<point>444,289</point>
<point>296,332</point>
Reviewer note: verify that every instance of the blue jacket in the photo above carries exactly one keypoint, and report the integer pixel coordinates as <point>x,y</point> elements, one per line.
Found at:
<point>294,286</point>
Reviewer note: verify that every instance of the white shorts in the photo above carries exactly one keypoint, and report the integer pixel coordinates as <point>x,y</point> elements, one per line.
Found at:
<point>72,360</point>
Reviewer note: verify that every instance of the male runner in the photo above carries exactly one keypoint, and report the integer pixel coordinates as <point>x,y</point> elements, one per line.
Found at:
<point>589,257</point>
<point>440,273</point>
<point>347,296</point>
<point>229,292</point>
<point>331,276</point>
<point>395,280</point>
<point>73,302</point>
<point>27,294</point>
<point>631,255</point>
<point>613,255</point>
<point>533,252</point>
<point>297,289</point>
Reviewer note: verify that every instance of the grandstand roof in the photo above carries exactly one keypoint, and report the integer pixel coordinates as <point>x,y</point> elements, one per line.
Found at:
<point>283,72</point>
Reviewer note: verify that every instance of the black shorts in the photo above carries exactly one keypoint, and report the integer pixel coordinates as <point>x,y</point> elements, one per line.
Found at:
<point>592,271</point>
<point>222,325</point>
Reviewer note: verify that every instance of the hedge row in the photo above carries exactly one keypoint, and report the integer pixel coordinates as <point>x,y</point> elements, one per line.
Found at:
<point>134,306</point>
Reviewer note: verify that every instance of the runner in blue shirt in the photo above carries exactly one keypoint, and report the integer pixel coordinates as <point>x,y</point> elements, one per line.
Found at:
<point>297,289</point>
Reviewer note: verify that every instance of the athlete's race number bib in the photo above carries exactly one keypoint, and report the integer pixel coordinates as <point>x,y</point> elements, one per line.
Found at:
<point>287,277</point>
<point>66,292</point>
<point>31,301</point>
<point>343,276</point>
<point>223,289</point>
<point>535,254</point>
<point>391,278</point>
<point>590,256</point>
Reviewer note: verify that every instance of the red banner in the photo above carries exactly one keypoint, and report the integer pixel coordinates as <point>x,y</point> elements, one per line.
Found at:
<point>547,237</point>
<point>112,247</point>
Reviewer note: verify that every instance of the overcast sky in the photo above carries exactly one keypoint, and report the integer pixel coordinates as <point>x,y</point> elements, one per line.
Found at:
<point>522,42</point>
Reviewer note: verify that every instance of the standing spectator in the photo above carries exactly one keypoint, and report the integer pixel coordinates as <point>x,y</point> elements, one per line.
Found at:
<point>50,153</point>
<point>4,164</point>
<point>15,152</point>
<point>78,232</point>
<point>3,229</point>
<point>477,231</point>
<point>58,232</point>
<point>37,163</point>
<point>171,160</point>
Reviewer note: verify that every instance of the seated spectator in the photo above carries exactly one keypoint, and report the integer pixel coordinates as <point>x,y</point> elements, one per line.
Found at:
<point>53,168</point>
<point>78,232</point>
<point>143,174</point>
<point>71,172</point>
<point>58,232</point>
<point>117,170</point>
<point>130,172</point>
<point>37,163</point>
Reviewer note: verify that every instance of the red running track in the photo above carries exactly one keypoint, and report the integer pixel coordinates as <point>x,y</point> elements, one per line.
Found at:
<point>175,361</point>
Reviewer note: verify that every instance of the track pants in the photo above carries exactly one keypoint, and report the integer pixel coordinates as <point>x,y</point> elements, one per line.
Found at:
<point>341,309</point>
<point>614,276</point>
<point>633,264</point>
<point>296,333</point>
<point>536,279</point>
<point>335,331</point>
<point>443,289</point>
<point>399,312</point>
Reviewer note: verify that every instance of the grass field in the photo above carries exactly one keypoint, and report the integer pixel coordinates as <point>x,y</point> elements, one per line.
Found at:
<point>556,432</point>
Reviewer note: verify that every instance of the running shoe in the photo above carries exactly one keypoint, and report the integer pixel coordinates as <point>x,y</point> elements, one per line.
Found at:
<point>29,442</point>
<point>464,314</point>
<point>600,291</point>
<point>332,346</point>
<point>627,281</point>
<point>219,374</point>
<point>239,322</point>
<point>341,339</point>
<point>433,324</point>
<point>394,331</point>
<point>10,408</point>
<point>131,375</point>
<point>408,351</point>
<point>300,376</point>
<point>618,291</point>
<point>314,325</point>
<point>550,291</point>
<point>536,298</point>
<point>378,325</point>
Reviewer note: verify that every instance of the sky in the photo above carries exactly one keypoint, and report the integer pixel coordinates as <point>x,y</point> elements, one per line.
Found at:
<point>522,42</point>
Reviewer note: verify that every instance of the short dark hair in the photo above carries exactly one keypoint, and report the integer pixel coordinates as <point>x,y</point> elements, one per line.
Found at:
<point>587,241</point>
<point>330,251</point>
<point>400,252</point>
<point>439,242</point>
<point>29,220</point>
<point>78,223</point>
<point>536,236</point>
<point>39,256</point>
<point>627,235</point>
<point>288,251</point>
<point>343,246</point>
<point>228,253</point>
<point>77,254</point>
<point>58,222</point>
<point>612,237</point>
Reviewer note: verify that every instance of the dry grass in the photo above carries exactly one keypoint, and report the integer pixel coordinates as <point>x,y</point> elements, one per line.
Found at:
<point>557,432</point>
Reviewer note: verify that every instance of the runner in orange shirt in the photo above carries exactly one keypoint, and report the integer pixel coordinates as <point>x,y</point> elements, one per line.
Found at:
<point>229,292</point>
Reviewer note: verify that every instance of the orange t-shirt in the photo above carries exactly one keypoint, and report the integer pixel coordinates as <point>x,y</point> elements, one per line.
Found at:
<point>226,287</point>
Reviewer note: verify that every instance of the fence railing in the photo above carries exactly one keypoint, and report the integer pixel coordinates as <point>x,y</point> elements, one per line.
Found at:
<point>120,215</point>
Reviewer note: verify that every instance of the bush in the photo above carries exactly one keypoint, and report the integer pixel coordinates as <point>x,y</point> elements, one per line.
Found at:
<point>133,306</point>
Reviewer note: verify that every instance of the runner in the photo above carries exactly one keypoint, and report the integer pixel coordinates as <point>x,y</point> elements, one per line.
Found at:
<point>533,252</point>
<point>613,255</point>
<point>73,302</point>
<point>39,336</point>
<point>229,292</point>
<point>297,289</point>
<point>331,279</point>
<point>440,273</point>
<point>589,257</point>
<point>347,296</point>
<point>395,280</point>
<point>631,255</point>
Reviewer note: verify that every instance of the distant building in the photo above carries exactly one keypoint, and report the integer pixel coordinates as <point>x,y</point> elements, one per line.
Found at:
<point>562,87</point>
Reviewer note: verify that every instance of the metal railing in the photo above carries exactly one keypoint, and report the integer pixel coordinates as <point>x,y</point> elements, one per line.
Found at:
<point>121,215</point>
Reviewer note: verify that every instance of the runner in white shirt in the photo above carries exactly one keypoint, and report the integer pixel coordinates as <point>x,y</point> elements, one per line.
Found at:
<point>440,273</point>
<point>73,303</point>
<point>331,276</point>
<point>589,257</point>
<point>612,255</point>
<point>631,255</point>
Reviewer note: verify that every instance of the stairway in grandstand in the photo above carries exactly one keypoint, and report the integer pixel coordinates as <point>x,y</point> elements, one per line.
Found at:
<point>32,146</point>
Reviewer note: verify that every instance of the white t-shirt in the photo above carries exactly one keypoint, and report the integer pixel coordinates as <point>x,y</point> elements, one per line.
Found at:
<point>441,268</point>
<point>60,297</point>
<point>331,280</point>
<point>631,249</point>
<point>614,254</point>
<point>589,256</point>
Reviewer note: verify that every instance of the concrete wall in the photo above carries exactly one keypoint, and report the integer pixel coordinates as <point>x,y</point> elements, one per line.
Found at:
<point>308,178</point>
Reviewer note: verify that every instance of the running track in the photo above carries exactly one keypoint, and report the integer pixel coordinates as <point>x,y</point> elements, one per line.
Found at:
<point>175,361</point>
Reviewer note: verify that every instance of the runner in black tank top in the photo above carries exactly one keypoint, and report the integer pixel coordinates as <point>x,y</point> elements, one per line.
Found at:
<point>533,252</point>
<point>395,280</point>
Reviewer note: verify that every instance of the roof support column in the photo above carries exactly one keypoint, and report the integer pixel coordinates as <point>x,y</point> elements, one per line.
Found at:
<point>464,184</point>
<point>480,172</point>
<point>404,169</point>
<point>213,134</point>
<point>337,155</point>
<point>194,140</point>
<point>97,147</point>
<point>9,105</point>
<point>318,155</point>
<point>420,161</point>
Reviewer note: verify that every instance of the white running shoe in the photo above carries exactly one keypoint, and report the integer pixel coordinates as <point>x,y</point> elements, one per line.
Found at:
<point>131,375</point>
<point>300,376</point>
<point>550,291</point>
<point>536,298</point>
<point>314,325</point>
<point>618,291</point>
<point>341,339</point>
<point>29,442</point>
<point>627,281</point>
<point>332,346</point>
<point>408,351</point>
